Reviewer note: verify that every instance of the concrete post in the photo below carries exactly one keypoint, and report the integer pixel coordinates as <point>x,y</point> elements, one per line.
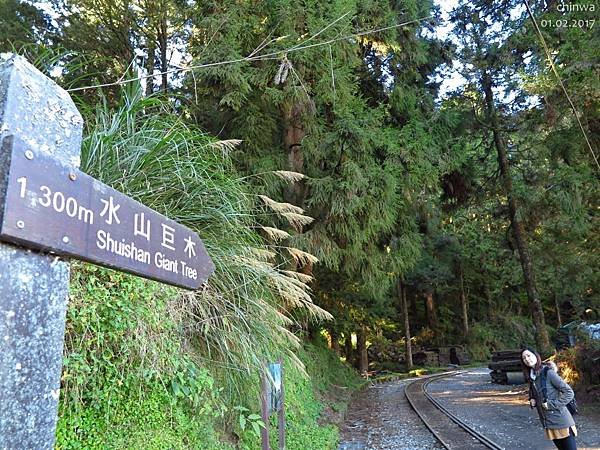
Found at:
<point>33,286</point>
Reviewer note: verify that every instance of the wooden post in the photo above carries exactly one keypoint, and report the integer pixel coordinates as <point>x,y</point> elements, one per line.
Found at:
<point>33,286</point>
<point>281,412</point>
<point>264,411</point>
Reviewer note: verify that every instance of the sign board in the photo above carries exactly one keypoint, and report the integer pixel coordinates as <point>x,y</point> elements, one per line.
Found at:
<point>274,391</point>
<point>55,208</point>
<point>272,399</point>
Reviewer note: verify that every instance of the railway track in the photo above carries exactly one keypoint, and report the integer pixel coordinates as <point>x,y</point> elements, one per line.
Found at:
<point>451,431</point>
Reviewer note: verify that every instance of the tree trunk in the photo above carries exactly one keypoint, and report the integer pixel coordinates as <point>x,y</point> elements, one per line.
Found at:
<point>293,134</point>
<point>348,348</point>
<point>537,313</point>
<point>335,341</point>
<point>150,66</point>
<point>361,346</point>
<point>432,321</point>
<point>413,304</point>
<point>557,306</point>
<point>162,44</point>
<point>464,302</point>
<point>403,306</point>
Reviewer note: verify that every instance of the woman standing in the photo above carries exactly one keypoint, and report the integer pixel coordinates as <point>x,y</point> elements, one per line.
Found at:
<point>550,400</point>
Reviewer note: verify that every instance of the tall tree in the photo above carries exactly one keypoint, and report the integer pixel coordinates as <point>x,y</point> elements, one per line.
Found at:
<point>487,57</point>
<point>345,114</point>
<point>403,306</point>
<point>112,40</point>
<point>22,24</point>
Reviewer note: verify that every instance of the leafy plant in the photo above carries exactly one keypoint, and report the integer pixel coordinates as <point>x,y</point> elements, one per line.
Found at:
<point>248,418</point>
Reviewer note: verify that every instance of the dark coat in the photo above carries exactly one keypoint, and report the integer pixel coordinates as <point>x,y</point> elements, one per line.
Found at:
<point>558,394</point>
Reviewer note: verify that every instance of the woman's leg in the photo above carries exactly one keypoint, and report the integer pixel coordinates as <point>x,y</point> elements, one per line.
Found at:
<point>567,443</point>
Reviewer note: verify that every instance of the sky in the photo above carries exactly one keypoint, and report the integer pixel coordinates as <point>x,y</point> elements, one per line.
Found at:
<point>451,79</point>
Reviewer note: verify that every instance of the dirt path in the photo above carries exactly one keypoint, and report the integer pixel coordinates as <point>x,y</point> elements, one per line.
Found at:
<point>380,418</point>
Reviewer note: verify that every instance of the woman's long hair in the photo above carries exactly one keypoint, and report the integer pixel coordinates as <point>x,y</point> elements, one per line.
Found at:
<point>536,368</point>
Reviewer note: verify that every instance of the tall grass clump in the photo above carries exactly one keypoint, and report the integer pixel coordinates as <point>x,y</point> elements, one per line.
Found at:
<point>241,317</point>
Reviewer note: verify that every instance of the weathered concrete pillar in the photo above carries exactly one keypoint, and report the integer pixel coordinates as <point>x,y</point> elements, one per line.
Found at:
<point>33,286</point>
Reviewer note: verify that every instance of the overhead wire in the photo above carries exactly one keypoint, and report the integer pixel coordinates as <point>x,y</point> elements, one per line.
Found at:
<point>304,46</point>
<point>250,57</point>
<point>560,82</point>
<point>322,30</point>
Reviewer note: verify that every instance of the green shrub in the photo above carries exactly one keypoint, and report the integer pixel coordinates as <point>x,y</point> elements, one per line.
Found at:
<point>306,399</point>
<point>485,338</point>
<point>127,381</point>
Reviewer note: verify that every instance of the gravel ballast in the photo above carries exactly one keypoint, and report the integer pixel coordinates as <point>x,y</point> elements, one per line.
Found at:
<point>502,412</point>
<point>380,418</point>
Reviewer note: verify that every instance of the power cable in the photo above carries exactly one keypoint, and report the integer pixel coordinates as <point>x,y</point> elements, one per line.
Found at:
<point>560,82</point>
<point>249,58</point>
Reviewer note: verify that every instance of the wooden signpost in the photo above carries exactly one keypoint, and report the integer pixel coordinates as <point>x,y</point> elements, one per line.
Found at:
<point>52,207</point>
<point>50,210</point>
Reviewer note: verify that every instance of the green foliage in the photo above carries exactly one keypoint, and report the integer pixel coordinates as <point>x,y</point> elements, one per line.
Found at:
<point>127,381</point>
<point>552,182</point>
<point>22,24</point>
<point>306,400</point>
<point>252,419</point>
<point>486,338</point>
<point>131,341</point>
<point>152,156</point>
<point>325,122</point>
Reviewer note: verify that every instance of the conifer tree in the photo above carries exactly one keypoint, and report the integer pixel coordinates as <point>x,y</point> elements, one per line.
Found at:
<point>482,27</point>
<point>346,115</point>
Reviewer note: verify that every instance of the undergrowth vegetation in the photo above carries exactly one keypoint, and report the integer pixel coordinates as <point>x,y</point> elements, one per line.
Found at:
<point>127,381</point>
<point>150,366</point>
<point>487,337</point>
<point>580,367</point>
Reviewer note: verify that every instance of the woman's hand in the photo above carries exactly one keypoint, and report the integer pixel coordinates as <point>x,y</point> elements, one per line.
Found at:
<point>545,405</point>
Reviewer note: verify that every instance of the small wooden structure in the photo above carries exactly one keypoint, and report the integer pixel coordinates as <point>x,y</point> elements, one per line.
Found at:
<point>506,367</point>
<point>441,356</point>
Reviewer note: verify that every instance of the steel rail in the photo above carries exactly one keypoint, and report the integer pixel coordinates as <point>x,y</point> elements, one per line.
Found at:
<point>436,405</point>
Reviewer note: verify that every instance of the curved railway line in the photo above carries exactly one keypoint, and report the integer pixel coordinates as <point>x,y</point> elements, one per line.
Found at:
<point>452,432</point>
